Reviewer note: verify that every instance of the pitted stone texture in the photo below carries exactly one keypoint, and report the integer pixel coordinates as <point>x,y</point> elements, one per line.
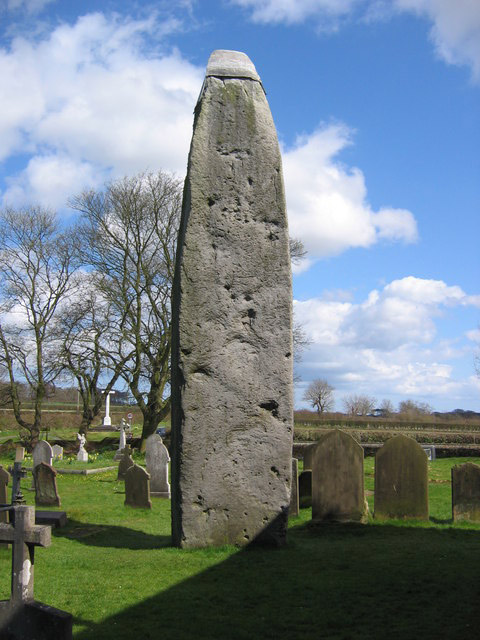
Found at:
<point>45,478</point>
<point>232,404</point>
<point>401,480</point>
<point>337,479</point>
<point>231,64</point>
<point>466,492</point>
<point>294,499</point>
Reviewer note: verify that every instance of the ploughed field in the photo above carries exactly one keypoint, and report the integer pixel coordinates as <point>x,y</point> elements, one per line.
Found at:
<point>114,569</point>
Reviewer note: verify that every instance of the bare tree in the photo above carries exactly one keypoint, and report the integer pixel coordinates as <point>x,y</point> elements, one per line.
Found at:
<point>359,405</point>
<point>82,349</point>
<point>320,395</point>
<point>411,408</point>
<point>37,262</point>
<point>131,231</point>
<point>387,407</point>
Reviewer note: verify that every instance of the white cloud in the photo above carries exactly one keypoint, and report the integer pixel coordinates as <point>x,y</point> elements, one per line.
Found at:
<point>387,344</point>
<point>455,31</point>
<point>327,202</point>
<point>89,92</point>
<point>30,6</point>
<point>296,11</point>
<point>455,28</point>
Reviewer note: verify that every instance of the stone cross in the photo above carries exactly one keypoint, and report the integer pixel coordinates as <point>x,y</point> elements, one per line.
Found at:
<point>25,535</point>
<point>125,463</point>
<point>107,421</point>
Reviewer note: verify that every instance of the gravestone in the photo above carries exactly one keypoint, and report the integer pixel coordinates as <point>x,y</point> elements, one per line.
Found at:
<point>122,442</point>
<point>157,459</point>
<point>46,492</point>
<point>57,452</point>
<point>4,480</point>
<point>401,480</point>
<point>42,452</point>
<point>125,463</point>
<point>308,457</point>
<point>22,617</point>
<point>337,479</point>
<point>232,391</point>
<point>137,487</point>
<point>294,499</point>
<point>305,489</point>
<point>82,455</point>
<point>466,492</point>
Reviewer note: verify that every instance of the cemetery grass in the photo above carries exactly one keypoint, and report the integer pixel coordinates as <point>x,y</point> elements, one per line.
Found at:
<point>113,568</point>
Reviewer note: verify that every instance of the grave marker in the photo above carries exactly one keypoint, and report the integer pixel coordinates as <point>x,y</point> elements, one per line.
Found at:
<point>125,463</point>
<point>137,487</point>
<point>82,455</point>
<point>4,480</point>
<point>46,492</point>
<point>401,480</point>
<point>157,459</point>
<point>466,492</point>
<point>57,452</point>
<point>21,616</point>
<point>337,479</point>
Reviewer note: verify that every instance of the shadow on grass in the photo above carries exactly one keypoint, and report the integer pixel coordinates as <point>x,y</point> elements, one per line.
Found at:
<point>105,535</point>
<point>329,582</point>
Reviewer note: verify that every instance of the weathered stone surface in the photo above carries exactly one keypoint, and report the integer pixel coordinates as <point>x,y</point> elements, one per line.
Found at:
<point>44,477</point>
<point>294,499</point>
<point>137,487</point>
<point>232,401</point>
<point>401,480</point>
<point>4,481</point>
<point>308,457</point>
<point>42,453</point>
<point>337,479</point>
<point>156,460</point>
<point>466,492</point>
<point>305,488</point>
<point>125,463</point>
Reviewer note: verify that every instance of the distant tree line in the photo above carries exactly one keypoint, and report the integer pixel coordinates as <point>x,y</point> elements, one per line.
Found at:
<point>319,394</point>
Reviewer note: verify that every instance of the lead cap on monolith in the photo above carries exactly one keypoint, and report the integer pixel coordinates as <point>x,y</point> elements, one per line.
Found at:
<point>231,64</point>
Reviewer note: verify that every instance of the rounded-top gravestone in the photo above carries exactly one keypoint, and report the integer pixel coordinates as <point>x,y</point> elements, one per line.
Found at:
<point>401,480</point>
<point>42,453</point>
<point>337,479</point>
<point>157,459</point>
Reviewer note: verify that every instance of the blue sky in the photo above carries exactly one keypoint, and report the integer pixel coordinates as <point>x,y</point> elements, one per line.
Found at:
<point>377,108</point>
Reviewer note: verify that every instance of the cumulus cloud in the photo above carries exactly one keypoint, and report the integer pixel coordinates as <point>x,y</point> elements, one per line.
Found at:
<point>89,92</point>
<point>455,29</point>
<point>386,342</point>
<point>327,202</point>
<point>30,6</point>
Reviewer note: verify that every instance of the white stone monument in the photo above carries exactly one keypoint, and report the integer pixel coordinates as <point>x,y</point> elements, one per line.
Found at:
<point>123,441</point>
<point>107,421</point>
<point>82,455</point>
<point>157,459</point>
<point>41,453</point>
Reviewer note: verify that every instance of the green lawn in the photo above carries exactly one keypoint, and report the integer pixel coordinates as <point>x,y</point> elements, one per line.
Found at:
<point>113,568</point>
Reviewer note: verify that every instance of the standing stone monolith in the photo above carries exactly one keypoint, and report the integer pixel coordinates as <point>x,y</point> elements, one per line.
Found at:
<point>232,400</point>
